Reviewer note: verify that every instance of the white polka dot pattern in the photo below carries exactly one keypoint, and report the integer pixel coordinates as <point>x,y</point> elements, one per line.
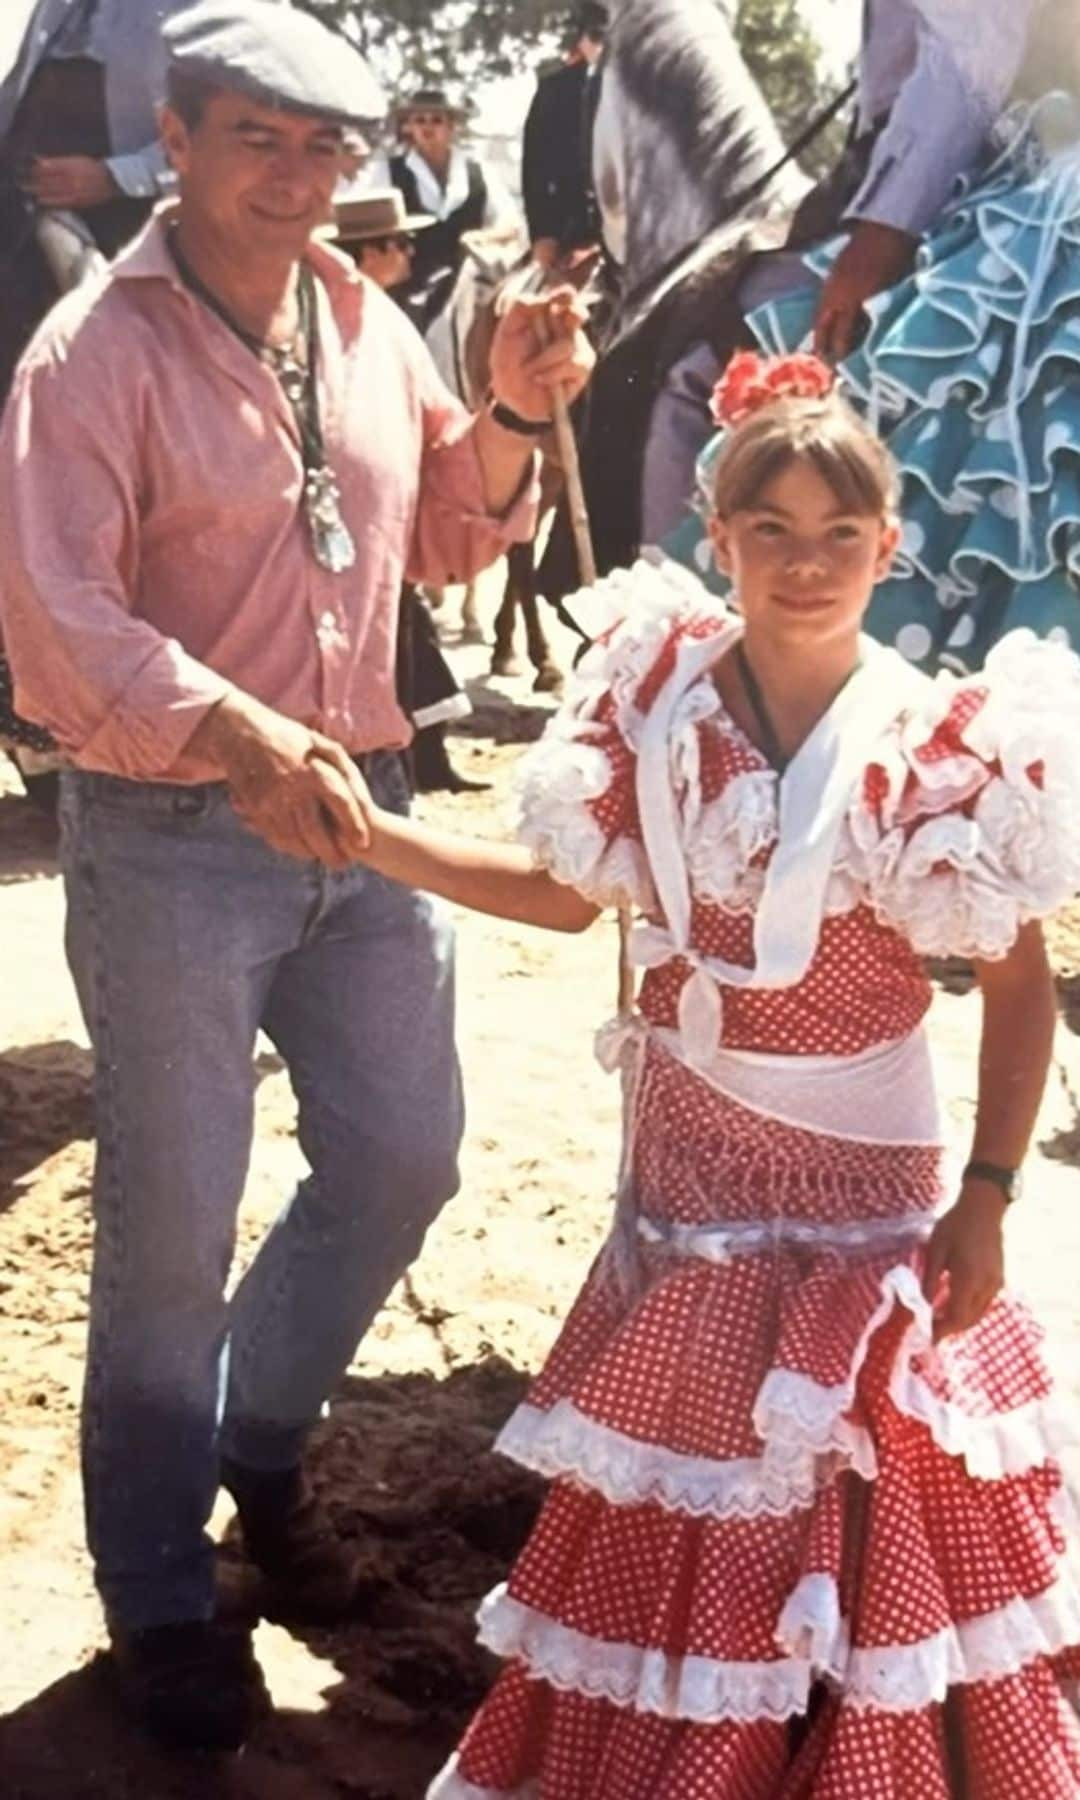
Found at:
<point>793,1550</point>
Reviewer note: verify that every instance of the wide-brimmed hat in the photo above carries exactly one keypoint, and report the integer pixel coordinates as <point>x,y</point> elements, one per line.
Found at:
<point>429,99</point>
<point>378,214</point>
<point>275,55</point>
<point>592,19</point>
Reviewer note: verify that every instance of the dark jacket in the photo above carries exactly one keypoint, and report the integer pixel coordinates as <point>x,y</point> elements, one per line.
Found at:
<point>556,172</point>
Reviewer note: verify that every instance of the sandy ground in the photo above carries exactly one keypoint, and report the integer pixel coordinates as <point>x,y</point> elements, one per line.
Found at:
<point>370,1711</point>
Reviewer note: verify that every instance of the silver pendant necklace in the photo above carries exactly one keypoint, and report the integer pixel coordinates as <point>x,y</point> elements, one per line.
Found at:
<point>295,367</point>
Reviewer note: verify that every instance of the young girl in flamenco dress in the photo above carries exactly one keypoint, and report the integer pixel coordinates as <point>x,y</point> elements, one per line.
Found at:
<point>807,1533</point>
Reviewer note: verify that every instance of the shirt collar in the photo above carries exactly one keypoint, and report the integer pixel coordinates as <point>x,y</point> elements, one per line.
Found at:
<point>148,258</point>
<point>433,198</point>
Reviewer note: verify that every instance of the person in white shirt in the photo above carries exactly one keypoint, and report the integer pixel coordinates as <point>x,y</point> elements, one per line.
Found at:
<point>434,175</point>
<point>78,130</point>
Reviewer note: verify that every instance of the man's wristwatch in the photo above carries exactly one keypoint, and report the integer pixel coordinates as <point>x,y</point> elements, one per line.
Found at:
<point>512,421</point>
<point>1006,1180</point>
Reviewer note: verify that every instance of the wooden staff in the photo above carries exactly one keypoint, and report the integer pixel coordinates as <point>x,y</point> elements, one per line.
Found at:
<point>578,507</point>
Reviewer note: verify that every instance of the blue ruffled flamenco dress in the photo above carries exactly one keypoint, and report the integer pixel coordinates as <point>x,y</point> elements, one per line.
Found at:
<point>971,371</point>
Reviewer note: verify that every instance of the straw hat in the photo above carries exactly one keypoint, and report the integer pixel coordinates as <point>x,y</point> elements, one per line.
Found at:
<point>430,99</point>
<point>378,214</point>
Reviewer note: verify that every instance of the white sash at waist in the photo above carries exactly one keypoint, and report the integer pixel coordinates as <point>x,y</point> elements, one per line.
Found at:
<point>885,1095</point>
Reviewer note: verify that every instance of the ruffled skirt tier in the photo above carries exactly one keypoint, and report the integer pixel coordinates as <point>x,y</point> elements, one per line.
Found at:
<point>792,1548</point>
<point>969,370</point>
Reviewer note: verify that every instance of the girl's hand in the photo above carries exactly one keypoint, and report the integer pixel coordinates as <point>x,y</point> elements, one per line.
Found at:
<point>967,1246</point>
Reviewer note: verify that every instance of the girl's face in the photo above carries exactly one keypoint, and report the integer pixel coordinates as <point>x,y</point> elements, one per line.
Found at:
<point>801,566</point>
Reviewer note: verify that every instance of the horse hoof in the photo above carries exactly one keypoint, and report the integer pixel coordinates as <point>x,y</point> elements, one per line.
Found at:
<point>549,680</point>
<point>504,662</point>
<point>472,633</point>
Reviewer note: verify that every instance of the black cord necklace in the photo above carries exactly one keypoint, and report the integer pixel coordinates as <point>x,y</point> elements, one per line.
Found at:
<point>770,739</point>
<point>296,367</point>
<point>771,747</point>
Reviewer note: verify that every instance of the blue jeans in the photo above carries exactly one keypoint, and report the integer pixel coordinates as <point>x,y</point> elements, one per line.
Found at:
<point>186,933</point>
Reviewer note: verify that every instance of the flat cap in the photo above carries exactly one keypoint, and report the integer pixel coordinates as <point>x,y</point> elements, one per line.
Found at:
<point>277,55</point>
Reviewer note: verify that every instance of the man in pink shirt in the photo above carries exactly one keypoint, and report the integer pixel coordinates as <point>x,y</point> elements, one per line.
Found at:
<point>216,468</point>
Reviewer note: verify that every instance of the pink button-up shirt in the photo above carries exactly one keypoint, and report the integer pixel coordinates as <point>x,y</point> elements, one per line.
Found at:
<point>153,551</point>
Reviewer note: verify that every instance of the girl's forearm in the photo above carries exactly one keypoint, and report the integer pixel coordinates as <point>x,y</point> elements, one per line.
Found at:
<point>1019,1013</point>
<point>500,879</point>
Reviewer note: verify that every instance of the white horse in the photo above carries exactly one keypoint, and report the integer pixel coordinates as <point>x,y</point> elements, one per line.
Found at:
<point>493,270</point>
<point>487,259</point>
<point>684,139</point>
<point>688,166</point>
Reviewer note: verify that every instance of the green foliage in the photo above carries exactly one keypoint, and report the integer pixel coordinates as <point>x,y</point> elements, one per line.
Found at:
<point>451,43</point>
<point>456,43</point>
<point>785,56</point>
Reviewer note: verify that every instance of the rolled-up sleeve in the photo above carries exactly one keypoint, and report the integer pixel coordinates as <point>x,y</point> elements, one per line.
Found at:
<point>969,57</point>
<point>142,174</point>
<point>117,694</point>
<point>456,536</point>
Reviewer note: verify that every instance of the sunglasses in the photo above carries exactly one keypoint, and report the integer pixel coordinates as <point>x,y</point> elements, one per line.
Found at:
<point>399,241</point>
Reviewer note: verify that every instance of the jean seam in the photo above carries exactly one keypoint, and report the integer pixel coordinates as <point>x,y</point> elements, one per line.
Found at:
<point>110,1209</point>
<point>271,1305</point>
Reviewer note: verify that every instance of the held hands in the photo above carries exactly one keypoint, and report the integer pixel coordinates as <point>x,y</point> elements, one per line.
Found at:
<point>875,257</point>
<point>540,346</point>
<point>966,1247</point>
<point>79,181</point>
<point>295,788</point>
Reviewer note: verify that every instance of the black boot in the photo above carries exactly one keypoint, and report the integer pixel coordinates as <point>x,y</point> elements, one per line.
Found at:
<point>311,1576</point>
<point>193,1686</point>
<point>433,772</point>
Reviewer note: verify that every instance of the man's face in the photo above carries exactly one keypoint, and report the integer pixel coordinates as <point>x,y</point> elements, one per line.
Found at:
<point>259,178</point>
<point>387,260</point>
<point>432,132</point>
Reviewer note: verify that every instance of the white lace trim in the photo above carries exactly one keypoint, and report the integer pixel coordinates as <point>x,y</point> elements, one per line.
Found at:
<point>804,1431</point>
<point>686,1687</point>
<point>811,1627</point>
<point>450,1784</point>
<point>957,855</point>
<point>908,1677</point>
<point>649,600</point>
<point>891,1678</point>
<point>555,782</point>
<point>963,882</point>
<point>566,1442</point>
<point>792,1408</point>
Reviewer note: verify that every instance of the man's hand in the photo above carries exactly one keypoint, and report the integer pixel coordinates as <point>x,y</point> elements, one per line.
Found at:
<point>540,345</point>
<point>967,1247</point>
<point>874,258</point>
<point>546,252</point>
<point>78,181</point>
<point>298,790</point>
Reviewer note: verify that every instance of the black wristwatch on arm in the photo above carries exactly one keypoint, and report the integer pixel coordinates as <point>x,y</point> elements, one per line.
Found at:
<point>512,421</point>
<point>1007,1181</point>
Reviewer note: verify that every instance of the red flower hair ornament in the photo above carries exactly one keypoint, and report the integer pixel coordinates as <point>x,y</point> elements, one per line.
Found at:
<point>751,381</point>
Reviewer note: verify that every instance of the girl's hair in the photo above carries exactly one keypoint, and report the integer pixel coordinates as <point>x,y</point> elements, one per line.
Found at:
<point>822,431</point>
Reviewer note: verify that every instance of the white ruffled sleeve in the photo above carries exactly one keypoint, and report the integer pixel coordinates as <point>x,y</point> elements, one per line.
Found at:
<point>968,823</point>
<point>576,800</point>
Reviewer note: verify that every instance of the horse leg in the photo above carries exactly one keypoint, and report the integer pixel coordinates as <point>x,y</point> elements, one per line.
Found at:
<point>472,632</point>
<point>549,677</point>
<point>503,660</point>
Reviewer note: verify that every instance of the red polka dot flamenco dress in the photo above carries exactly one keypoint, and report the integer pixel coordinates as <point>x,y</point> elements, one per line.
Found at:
<point>791,1547</point>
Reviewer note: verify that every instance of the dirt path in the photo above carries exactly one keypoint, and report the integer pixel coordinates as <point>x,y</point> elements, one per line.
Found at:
<point>368,1712</point>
